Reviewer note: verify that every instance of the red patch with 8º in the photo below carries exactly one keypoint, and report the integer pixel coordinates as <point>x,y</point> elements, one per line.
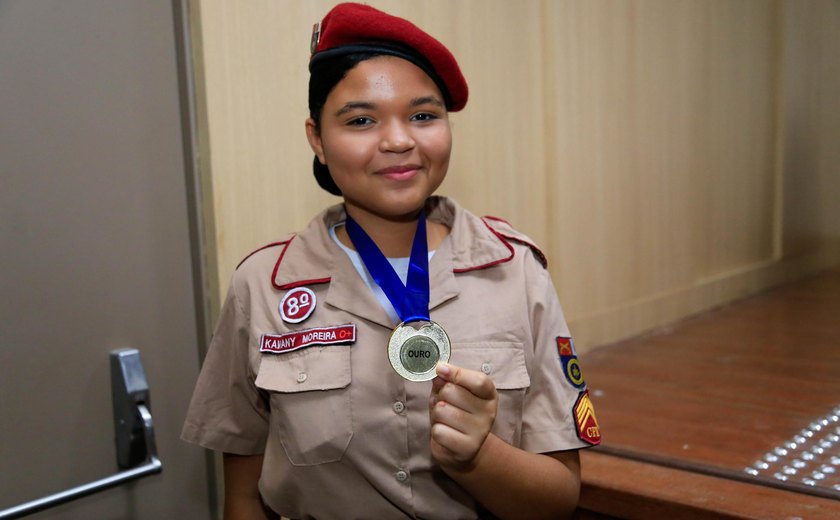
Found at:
<point>297,305</point>
<point>585,422</point>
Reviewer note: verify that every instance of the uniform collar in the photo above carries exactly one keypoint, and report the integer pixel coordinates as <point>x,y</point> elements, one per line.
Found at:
<point>312,257</point>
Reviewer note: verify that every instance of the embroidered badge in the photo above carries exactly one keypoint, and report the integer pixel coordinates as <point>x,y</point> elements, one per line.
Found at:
<point>585,422</point>
<point>568,358</point>
<point>298,339</point>
<point>297,305</point>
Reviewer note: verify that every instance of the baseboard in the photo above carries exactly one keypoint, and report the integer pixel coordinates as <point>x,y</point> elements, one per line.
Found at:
<point>640,316</point>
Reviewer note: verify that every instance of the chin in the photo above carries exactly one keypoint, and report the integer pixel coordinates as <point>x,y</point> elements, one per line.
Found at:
<point>392,204</point>
<point>402,213</point>
<point>408,206</point>
<point>396,210</point>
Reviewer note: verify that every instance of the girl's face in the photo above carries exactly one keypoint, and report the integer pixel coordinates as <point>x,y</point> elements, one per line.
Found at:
<point>385,137</point>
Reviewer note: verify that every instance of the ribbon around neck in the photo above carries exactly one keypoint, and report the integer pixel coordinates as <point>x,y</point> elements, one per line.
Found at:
<point>411,301</point>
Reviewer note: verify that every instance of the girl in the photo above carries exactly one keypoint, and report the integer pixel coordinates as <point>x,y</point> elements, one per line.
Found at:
<point>400,357</point>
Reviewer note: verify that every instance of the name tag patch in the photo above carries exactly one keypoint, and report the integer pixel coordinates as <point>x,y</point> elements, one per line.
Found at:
<point>298,339</point>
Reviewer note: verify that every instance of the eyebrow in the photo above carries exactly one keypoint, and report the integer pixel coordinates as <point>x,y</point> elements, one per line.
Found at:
<point>427,100</point>
<point>353,105</point>
<point>366,105</point>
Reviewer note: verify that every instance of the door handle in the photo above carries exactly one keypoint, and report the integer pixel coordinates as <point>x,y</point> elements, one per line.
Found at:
<point>133,431</point>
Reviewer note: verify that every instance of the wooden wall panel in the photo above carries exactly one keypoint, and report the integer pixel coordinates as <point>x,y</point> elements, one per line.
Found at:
<point>647,145</point>
<point>811,110</point>
<point>664,115</point>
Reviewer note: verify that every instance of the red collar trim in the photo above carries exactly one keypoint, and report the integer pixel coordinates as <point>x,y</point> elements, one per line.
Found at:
<point>505,239</point>
<point>252,253</point>
<point>291,285</point>
<point>495,262</point>
<point>301,283</point>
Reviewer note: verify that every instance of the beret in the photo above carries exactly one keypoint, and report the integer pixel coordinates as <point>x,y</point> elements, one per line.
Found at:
<point>351,27</point>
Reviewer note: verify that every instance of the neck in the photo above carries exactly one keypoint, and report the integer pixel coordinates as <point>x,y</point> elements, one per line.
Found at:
<point>394,237</point>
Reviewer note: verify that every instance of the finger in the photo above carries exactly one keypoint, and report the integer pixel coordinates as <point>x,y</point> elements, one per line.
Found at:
<point>456,418</point>
<point>440,452</point>
<point>437,384</point>
<point>476,382</point>
<point>459,446</point>
<point>462,398</point>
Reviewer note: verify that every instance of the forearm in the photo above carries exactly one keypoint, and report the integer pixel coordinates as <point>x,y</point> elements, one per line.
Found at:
<point>238,509</point>
<point>515,484</point>
<point>242,495</point>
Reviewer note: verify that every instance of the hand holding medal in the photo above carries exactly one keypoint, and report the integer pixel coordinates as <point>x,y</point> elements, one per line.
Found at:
<point>418,343</point>
<point>462,410</point>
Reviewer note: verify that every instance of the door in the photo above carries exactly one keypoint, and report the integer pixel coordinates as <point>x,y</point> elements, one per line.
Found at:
<point>95,252</point>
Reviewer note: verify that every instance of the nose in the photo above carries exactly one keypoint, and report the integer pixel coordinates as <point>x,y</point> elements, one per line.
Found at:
<point>396,138</point>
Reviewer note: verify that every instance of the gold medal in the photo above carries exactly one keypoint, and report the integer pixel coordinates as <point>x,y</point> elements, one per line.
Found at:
<point>415,348</point>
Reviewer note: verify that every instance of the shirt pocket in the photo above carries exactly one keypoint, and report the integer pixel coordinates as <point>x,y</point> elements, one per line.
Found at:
<point>505,364</point>
<point>310,402</point>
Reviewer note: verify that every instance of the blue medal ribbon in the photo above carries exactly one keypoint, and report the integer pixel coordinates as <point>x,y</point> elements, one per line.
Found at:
<point>411,301</point>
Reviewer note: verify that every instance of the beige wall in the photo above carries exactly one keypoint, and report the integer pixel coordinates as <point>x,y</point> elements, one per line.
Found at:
<point>811,111</point>
<point>668,155</point>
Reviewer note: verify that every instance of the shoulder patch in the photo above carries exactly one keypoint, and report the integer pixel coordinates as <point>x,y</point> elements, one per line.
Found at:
<point>569,361</point>
<point>505,230</point>
<point>585,422</point>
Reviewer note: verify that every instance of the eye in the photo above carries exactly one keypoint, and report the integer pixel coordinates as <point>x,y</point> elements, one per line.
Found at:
<point>360,121</point>
<point>424,116</point>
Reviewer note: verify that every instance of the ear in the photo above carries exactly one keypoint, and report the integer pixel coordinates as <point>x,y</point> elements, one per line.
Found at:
<point>314,139</point>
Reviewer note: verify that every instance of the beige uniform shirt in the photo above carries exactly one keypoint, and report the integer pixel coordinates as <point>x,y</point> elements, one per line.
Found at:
<point>343,435</point>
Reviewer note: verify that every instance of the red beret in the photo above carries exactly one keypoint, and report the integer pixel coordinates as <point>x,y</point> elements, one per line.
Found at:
<point>351,27</point>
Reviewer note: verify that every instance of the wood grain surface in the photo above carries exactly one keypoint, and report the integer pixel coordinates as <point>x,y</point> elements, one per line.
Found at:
<point>716,393</point>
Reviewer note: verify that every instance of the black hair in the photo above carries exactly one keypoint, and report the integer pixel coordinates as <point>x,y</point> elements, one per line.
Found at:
<point>324,76</point>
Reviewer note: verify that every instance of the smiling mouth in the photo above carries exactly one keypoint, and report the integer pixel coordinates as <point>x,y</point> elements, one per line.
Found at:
<point>400,172</point>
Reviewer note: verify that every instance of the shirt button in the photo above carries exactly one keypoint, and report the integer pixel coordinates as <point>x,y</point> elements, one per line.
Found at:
<point>401,475</point>
<point>486,368</point>
<point>301,377</point>
<point>399,407</point>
